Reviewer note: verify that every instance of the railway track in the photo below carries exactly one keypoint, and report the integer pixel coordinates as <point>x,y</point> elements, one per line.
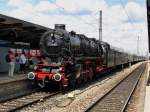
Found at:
<point>117,99</point>
<point>19,103</point>
<point>21,87</point>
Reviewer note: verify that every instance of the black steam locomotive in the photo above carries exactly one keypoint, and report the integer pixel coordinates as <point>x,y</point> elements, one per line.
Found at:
<point>73,58</point>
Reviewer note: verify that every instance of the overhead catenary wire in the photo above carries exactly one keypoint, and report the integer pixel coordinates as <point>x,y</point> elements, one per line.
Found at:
<point>90,24</point>
<point>58,6</point>
<point>130,17</point>
<point>131,20</point>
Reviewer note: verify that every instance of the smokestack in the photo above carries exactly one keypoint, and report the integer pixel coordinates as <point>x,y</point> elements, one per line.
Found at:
<point>60,26</point>
<point>100,25</point>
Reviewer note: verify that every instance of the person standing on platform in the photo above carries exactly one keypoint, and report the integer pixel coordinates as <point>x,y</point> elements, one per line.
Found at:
<point>42,60</point>
<point>22,62</point>
<point>10,59</point>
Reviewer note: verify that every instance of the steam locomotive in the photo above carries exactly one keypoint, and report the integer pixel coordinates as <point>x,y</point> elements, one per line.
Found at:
<point>73,58</point>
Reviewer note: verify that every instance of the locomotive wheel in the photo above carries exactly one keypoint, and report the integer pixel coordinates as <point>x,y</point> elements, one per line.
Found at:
<point>91,73</point>
<point>61,87</point>
<point>73,83</point>
<point>79,76</point>
<point>85,77</point>
<point>79,80</point>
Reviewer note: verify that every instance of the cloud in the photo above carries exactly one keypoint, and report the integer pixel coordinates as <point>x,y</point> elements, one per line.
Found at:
<point>76,6</point>
<point>135,10</point>
<point>17,3</point>
<point>117,30</point>
<point>45,6</point>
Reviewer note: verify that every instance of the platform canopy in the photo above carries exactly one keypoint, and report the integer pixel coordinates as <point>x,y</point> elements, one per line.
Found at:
<point>148,19</point>
<point>15,30</point>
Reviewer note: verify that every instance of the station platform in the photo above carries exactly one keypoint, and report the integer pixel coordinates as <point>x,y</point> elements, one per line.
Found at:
<point>147,100</point>
<point>4,78</point>
<point>147,95</point>
<point>16,86</point>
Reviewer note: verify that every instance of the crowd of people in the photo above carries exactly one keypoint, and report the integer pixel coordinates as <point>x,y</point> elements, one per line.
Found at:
<point>23,60</point>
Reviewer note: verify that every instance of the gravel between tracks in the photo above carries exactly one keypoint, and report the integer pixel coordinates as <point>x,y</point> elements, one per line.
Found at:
<point>83,97</point>
<point>136,103</point>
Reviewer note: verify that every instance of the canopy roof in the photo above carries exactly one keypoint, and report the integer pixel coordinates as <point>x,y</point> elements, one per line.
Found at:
<point>16,30</point>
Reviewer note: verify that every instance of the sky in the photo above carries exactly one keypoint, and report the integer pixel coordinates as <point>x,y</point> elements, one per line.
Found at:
<point>123,20</point>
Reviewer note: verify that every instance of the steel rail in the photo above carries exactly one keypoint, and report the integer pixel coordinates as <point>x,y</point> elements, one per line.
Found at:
<point>19,103</point>
<point>5,107</point>
<point>118,97</point>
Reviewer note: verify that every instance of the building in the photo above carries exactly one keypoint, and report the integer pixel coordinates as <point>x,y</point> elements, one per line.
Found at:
<point>16,34</point>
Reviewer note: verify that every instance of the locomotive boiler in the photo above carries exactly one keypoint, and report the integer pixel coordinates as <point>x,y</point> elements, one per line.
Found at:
<point>59,43</point>
<point>73,58</point>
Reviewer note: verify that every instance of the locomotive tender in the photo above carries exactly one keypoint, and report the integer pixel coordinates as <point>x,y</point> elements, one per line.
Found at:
<point>73,58</point>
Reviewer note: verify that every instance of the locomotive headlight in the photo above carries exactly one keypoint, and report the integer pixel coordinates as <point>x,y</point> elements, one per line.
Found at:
<point>31,75</point>
<point>61,69</point>
<point>57,77</point>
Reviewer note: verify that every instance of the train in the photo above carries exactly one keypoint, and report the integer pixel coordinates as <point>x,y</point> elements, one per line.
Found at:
<point>73,58</point>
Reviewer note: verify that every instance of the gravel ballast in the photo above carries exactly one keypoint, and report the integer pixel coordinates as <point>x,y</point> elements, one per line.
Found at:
<point>79,99</point>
